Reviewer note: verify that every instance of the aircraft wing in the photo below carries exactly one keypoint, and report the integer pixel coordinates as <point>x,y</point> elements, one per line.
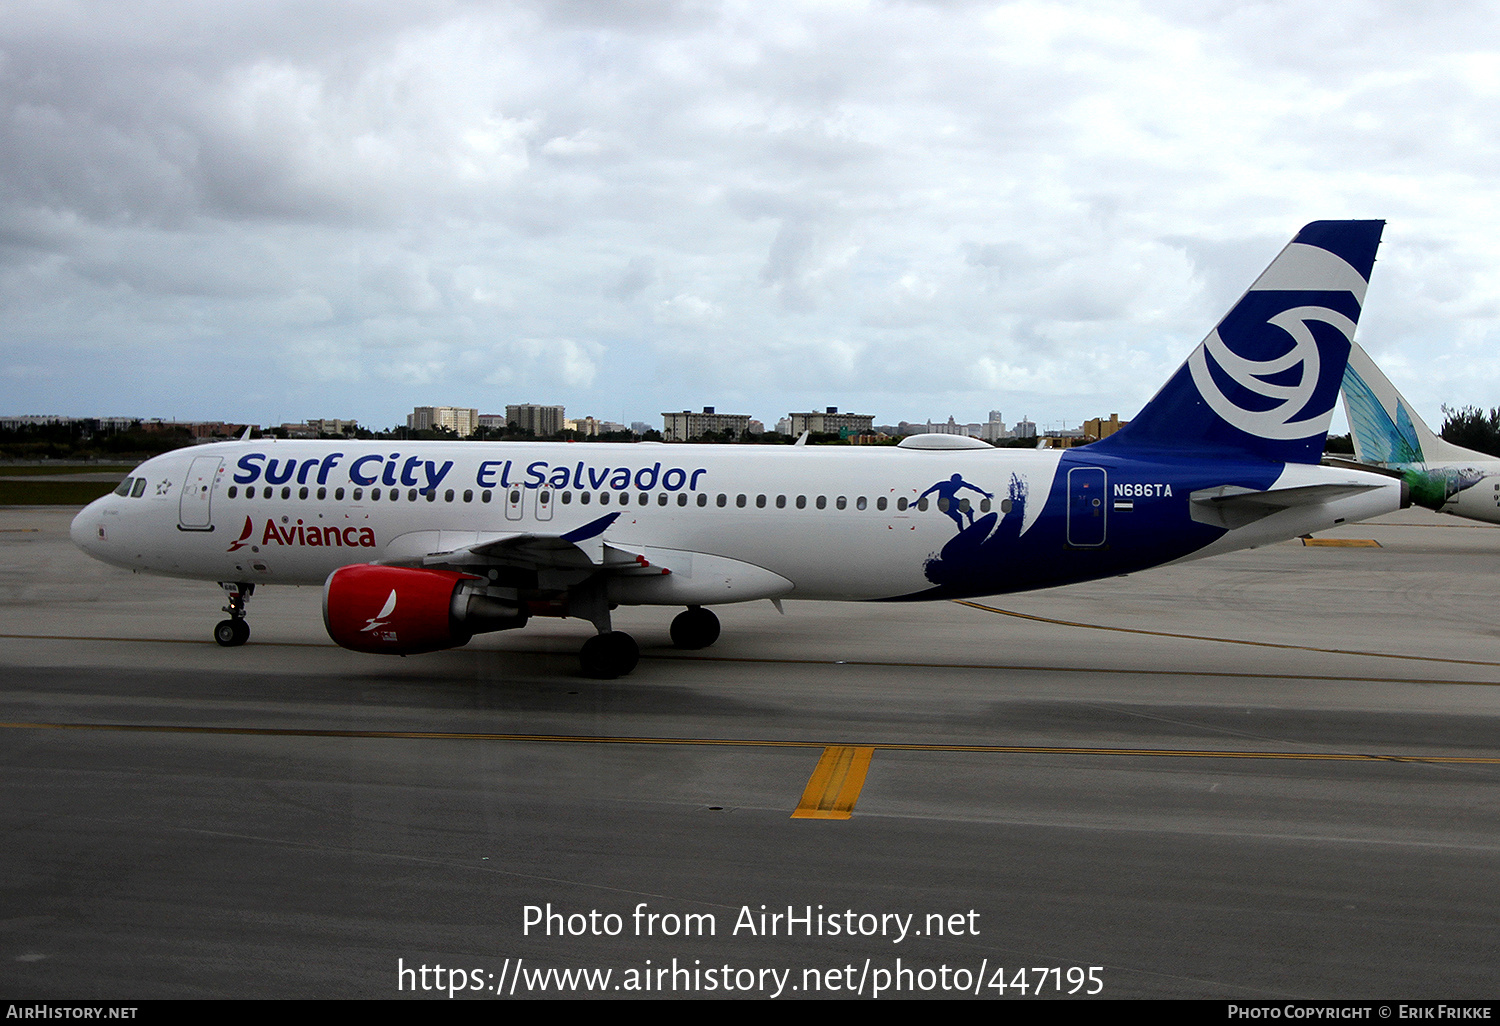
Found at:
<point>628,573</point>
<point>582,549</point>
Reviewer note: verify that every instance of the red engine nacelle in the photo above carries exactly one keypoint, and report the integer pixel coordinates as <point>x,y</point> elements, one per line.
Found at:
<point>397,610</point>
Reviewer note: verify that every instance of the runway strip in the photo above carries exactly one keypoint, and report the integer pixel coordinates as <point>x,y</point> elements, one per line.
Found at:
<point>668,655</point>
<point>888,746</point>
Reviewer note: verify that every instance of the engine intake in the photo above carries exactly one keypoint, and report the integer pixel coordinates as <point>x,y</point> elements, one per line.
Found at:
<point>404,610</point>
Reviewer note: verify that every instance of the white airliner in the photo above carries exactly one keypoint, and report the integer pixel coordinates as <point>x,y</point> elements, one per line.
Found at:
<point>1387,433</point>
<point>420,545</point>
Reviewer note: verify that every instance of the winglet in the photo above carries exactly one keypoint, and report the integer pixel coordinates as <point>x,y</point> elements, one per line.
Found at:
<point>592,529</point>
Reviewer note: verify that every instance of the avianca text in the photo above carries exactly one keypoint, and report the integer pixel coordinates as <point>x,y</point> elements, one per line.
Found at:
<point>307,535</point>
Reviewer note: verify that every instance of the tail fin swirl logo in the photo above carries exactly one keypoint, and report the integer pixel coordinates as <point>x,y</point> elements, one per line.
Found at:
<point>1257,376</point>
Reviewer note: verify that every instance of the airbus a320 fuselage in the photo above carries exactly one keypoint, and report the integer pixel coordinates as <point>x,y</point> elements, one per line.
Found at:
<point>420,545</point>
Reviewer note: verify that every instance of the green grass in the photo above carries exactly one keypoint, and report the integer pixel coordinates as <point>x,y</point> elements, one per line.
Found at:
<point>52,493</point>
<point>42,470</point>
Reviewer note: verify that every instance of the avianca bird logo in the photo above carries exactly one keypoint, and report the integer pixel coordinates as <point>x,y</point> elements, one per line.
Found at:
<point>379,619</point>
<point>243,539</point>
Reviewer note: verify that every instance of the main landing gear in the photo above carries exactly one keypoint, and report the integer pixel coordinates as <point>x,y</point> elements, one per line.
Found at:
<point>611,653</point>
<point>234,631</point>
<point>695,628</point>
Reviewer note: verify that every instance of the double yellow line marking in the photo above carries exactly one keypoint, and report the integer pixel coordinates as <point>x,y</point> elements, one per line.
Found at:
<point>835,783</point>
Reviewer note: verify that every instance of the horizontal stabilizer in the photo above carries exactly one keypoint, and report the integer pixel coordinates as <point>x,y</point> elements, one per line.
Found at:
<point>1230,506</point>
<point>1338,463</point>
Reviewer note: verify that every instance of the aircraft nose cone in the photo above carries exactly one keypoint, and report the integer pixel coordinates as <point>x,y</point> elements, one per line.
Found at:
<point>88,528</point>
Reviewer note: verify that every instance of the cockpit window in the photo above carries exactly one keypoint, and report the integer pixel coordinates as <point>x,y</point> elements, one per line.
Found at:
<point>123,488</point>
<point>139,489</point>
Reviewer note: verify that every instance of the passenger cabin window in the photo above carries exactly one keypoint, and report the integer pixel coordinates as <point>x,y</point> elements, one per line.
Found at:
<point>233,491</point>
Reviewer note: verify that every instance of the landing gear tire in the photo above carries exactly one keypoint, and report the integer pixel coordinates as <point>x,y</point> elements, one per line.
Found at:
<point>607,656</point>
<point>230,633</point>
<point>695,628</point>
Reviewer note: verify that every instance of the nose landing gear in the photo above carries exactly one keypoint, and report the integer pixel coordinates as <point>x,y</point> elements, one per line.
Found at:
<point>234,631</point>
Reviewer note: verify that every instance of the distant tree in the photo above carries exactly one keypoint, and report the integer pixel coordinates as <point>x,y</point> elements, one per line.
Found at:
<point>1341,444</point>
<point>1472,428</point>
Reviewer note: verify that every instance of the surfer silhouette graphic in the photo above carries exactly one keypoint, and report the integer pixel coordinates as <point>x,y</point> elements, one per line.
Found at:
<point>948,490</point>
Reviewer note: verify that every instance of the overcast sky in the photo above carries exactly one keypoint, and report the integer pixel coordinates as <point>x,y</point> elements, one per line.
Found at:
<point>277,210</point>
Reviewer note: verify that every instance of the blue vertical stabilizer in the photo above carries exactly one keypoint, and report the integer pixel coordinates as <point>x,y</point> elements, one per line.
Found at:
<point>1264,382</point>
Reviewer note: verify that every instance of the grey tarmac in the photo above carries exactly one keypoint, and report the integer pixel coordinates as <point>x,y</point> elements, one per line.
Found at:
<point>1302,808</point>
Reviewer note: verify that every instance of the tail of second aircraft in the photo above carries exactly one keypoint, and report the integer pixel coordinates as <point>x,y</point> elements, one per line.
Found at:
<point>1383,425</point>
<point>1264,382</point>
